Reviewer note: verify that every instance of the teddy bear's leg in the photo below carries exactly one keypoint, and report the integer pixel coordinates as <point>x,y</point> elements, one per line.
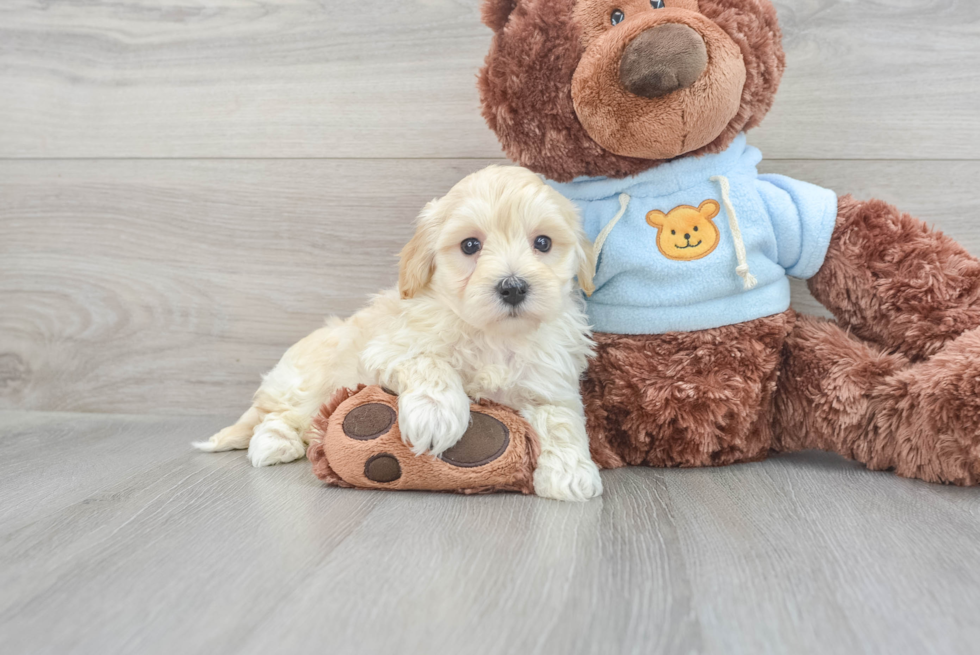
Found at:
<point>894,281</point>
<point>826,390</point>
<point>685,398</point>
<point>841,394</point>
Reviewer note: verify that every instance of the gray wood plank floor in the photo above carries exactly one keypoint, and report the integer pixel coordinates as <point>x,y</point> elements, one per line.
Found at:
<point>188,186</point>
<point>114,538</point>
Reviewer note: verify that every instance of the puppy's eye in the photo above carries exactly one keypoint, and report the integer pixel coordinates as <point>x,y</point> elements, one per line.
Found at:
<point>657,4</point>
<point>617,17</point>
<point>470,246</point>
<point>695,229</point>
<point>542,243</point>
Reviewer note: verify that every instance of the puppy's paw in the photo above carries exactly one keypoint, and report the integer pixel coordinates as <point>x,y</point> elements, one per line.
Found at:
<point>433,422</point>
<point>566,477</point>
<point>275,443</point>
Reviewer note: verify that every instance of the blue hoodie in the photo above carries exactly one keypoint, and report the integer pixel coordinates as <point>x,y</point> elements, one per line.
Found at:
<point>700,242</point>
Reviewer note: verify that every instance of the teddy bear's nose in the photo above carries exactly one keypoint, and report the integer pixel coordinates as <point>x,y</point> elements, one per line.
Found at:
<point>687,236</point>
<point>662,60</point>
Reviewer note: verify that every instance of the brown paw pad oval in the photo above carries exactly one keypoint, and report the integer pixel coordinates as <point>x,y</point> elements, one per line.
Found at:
<point>484,441</point>
<point>382,468</point>
<point>369,421</point>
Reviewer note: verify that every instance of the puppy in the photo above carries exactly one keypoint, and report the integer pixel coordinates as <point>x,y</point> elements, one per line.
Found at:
<point>487,306</point>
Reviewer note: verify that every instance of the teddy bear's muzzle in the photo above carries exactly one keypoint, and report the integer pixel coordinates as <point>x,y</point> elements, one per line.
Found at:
<point>663,59</point>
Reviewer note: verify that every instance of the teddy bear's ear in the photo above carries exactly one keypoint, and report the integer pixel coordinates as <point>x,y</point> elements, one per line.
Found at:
<point>709,209</point>
<point>496,12</point>
<point>656,218</point>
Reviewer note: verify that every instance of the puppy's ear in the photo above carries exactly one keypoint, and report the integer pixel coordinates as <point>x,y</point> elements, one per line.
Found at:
<point>418,258</point>
<point>585,252</point>
<point>496,12</point>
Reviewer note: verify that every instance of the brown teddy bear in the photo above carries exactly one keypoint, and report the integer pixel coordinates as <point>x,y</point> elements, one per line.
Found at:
<point>637,110</point>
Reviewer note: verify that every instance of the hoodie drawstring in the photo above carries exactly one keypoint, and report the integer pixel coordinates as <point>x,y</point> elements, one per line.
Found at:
<point>748,280</point>
<point>624,201</point>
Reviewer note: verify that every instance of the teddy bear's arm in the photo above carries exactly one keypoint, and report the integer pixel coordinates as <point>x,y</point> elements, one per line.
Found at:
<point>894,281</point>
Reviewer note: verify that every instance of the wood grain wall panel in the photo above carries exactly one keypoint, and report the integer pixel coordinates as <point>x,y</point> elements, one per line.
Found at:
<point>170,286</point>
<point>883,79</point>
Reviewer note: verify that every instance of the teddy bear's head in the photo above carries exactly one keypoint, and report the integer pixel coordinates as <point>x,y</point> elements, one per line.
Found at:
<point>615,87</point>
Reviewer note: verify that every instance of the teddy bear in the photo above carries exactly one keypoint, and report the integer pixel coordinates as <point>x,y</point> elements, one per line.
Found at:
<point>637,110</point>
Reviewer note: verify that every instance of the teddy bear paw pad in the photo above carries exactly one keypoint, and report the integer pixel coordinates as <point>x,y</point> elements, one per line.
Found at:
<point>369,421</point>
<point>484,441</point>
<point>383,468</point>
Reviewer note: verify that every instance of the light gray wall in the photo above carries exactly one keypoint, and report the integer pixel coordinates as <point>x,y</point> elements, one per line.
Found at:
<point>187,188</point>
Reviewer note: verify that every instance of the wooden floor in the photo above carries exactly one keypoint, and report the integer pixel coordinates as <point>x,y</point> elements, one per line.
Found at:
<point>116,539</point>
<point>189,186</point>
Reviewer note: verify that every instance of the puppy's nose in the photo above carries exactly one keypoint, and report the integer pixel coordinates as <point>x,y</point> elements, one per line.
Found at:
<point>512,290</point>
<point>662,60</point>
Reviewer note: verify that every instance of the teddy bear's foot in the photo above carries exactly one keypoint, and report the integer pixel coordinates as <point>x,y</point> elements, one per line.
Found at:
<point>840,394</point>
<point>928,416</point>
<point>356,442</point>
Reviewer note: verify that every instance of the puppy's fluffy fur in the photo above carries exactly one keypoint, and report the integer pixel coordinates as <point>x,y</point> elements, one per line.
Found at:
<point>445,336</point>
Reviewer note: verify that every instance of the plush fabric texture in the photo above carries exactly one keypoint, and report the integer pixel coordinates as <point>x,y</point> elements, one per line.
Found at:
<point>355,442</point>
<point>893,383</point>
<point>788,383</point>
<point>594,16</point>
<point>825,390</point>
<point>685,399</point>
<point>662,60</point>
<point>525,84</point>
<point>662,127</point>
<point>894,281</point>
<point>496,12</point>
<point>784,384</point>
<point>920,420</point>
<point>648,281</point>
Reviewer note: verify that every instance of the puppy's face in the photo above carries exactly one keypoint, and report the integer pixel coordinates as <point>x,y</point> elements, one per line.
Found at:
<point>501,248</point>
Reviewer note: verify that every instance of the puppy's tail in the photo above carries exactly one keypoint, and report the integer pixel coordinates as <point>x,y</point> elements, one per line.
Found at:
<point>234,437</point>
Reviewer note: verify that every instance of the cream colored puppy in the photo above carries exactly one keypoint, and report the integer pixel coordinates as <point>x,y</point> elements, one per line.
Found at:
<point>486,307</point>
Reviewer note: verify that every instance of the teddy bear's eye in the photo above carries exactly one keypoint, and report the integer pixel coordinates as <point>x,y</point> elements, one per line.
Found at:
<point>673,231</point>
<point>695,229</point>
<point>617,17</point>
<point>657,4</point>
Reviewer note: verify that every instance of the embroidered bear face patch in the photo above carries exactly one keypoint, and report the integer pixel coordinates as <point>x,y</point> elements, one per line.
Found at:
<point>686,233</point>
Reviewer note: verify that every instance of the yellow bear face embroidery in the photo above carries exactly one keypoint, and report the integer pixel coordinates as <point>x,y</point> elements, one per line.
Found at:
<point>685,233</point>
